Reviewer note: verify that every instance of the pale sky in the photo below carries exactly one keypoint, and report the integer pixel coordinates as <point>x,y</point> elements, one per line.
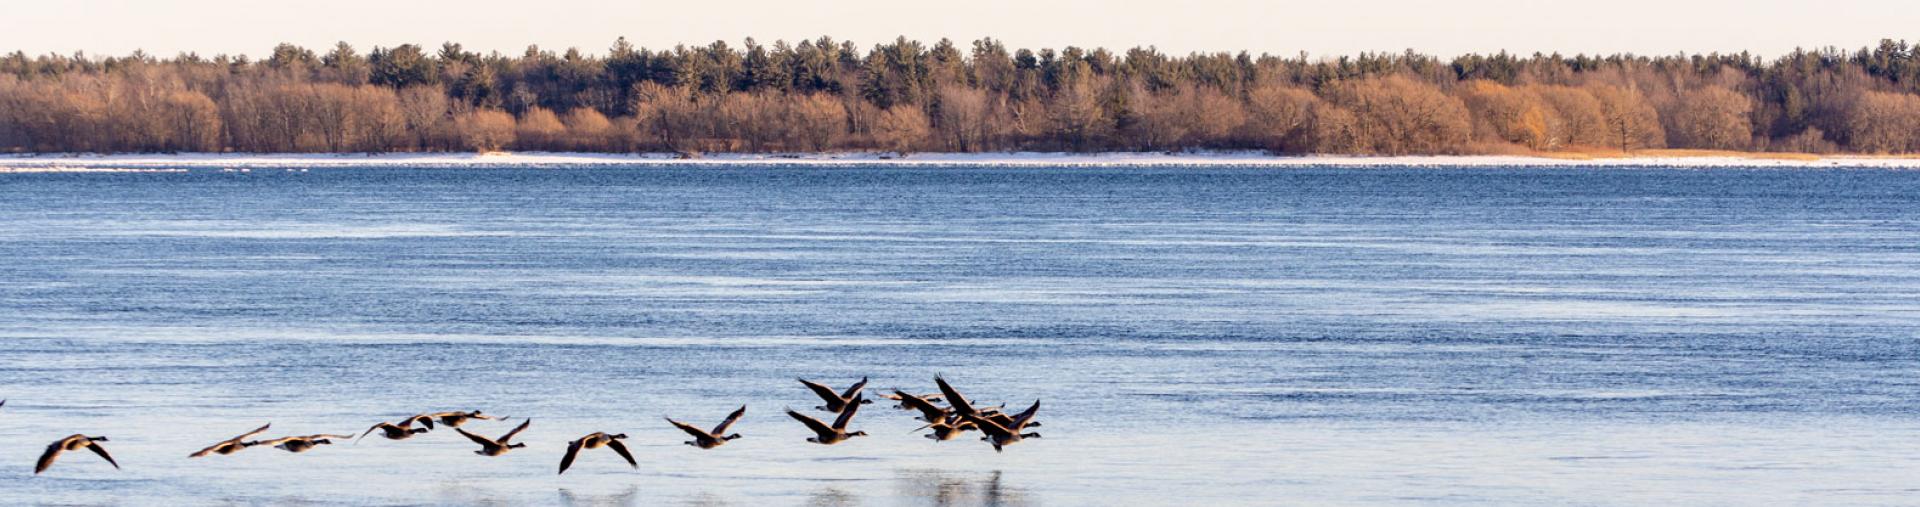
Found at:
<point>1327,27</point>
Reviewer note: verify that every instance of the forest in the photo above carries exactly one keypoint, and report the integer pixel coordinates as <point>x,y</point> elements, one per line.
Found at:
<point>904,96</point>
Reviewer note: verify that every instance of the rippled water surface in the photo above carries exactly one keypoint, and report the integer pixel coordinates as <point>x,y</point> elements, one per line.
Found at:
<point>1197,336</point>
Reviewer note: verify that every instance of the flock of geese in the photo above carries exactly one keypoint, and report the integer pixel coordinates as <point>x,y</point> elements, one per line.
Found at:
<point>947,422</point>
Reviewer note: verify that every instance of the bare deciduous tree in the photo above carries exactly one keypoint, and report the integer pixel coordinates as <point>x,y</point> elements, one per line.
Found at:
<point>1710,117</point>
<point>1631,122</point>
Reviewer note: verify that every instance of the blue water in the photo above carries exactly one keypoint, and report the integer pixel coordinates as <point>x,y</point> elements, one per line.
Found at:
<point>1199,336</point>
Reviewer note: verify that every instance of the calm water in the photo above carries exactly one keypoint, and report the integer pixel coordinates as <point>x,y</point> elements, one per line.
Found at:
<point>1198,336</point>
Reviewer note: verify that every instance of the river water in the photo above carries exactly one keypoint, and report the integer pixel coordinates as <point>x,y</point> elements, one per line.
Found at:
<point>1210,336</point>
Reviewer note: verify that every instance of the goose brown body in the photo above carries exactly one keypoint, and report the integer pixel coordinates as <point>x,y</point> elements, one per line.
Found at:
<point>837,401</point>
<point>1002,435</point>
<point>496,447</point>
<point>705,439</point>
<point>597,440</point>
<point>300,444</point>
<point>402,431</point>
<point>829,435</point>
<point>73,442</point>
<point>455,419</point>
<point>231,445</point>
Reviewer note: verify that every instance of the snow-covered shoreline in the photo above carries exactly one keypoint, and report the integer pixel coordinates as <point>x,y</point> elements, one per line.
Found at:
<point>142,162</point>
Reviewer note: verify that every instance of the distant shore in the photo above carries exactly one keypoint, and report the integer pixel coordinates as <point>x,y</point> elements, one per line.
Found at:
<point>24,163</point>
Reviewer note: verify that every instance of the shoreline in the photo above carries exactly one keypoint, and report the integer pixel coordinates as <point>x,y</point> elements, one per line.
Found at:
<point>148,162</point>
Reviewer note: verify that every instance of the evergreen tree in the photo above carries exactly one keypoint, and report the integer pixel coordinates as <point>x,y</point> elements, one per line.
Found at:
<point>401,67</point>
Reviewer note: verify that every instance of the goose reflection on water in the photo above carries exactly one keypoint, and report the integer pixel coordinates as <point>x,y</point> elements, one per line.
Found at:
<point>569,498</point>
<point>950,489</point>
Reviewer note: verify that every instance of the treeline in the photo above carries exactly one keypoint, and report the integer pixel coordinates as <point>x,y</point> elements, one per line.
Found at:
<point>903,96</point>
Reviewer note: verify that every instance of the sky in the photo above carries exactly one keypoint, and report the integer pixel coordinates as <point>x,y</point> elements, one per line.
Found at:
<point>1322,28</point>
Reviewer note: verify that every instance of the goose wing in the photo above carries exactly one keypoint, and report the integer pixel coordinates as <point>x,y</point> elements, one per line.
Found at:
<point>959,403</point>
<point>998,418</point>
<point>215,447</point>
<point>621,449</point>
<point>855,389</point>
<point>250,434</point>
<point>53,452</point>
<point>102,451</point>
<point>516,430</point>
<point>824,392</point>
<point>483,441</point>
<point>277,441</point>
<point>846,416</point>
<point>721,430</point>
<point>573,450</point>
<point>989,427</point>
<point>927,410</point>
<point>423,419</point>
<point>813,424</point>
<point>230,441</point>
<point>1021,419</point>
<point>370,430</point>
<point>696,432</point>
<point>329,435</point>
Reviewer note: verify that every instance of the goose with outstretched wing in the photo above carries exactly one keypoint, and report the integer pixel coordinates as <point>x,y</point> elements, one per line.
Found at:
<point>710,439</point>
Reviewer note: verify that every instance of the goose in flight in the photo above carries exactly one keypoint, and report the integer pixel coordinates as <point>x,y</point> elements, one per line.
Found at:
<point>597,440</point>
<point>829,435</point>
<point>231,445</point>
<point>402,431</point>
<point>301,443</point>
<point>492,447</point>
<point>928,411</point>
<point>710,439</point>
<point>896,395</point>
<point>959,404</point>
<point>1008,434</point>
<point>455,419</point>
<point>947,429</point>
<point>837,401</point>
<point>73,443</point>
<point>423,419</point>
<point>952,426</point>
